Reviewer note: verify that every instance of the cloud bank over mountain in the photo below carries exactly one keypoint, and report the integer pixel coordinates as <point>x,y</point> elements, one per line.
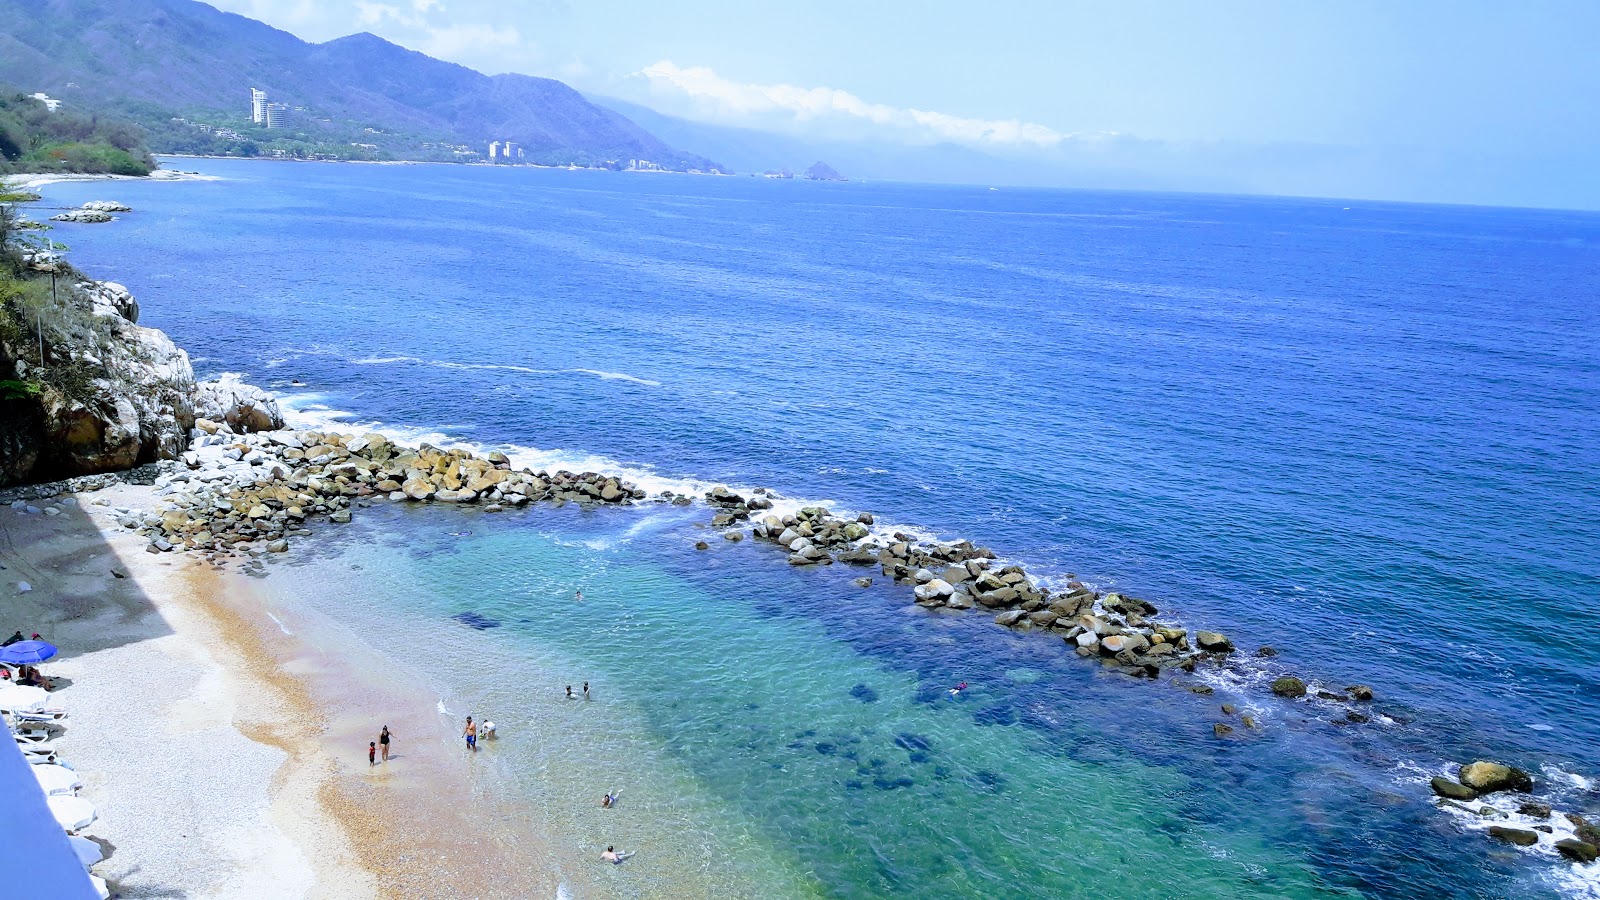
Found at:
<point>724,101</point>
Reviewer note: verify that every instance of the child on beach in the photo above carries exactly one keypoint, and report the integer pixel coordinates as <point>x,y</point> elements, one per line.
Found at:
<point>372,753</point>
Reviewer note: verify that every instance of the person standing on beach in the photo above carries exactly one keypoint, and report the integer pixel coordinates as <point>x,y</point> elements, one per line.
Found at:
<point>372,753</point>
<point>471,731</point>
<point>383,738</point>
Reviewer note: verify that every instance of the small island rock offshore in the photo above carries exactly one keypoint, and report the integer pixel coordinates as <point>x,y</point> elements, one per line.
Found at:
<point>821,171</point>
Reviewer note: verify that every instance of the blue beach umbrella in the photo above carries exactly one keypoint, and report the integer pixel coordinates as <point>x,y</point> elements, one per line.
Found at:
<point>26,653</point>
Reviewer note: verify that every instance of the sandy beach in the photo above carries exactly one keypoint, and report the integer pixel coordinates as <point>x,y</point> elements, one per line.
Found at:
<point>225,751</point>
<point>28,181</point>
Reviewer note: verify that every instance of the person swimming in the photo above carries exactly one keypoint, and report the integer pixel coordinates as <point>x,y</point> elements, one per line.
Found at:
<point>612,856</point>
<point>956,691</point>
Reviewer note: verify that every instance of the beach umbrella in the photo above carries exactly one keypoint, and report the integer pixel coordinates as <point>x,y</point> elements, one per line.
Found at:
<point>57,779</point>
<point>26,653</point>
<point>88,851</point>
<point>73,813</point>
<point>22,698</point>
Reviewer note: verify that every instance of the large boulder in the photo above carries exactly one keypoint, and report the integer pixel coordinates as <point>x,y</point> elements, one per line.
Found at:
<point>243,406</point>
<point>1212,642</point>
<point>1487,777</point>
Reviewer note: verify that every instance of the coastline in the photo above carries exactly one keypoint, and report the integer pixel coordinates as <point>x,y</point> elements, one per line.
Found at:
<point>308,670</point>
<point>193,715</point>
<point>27,181</point>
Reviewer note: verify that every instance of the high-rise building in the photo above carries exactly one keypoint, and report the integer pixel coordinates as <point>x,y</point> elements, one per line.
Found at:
<point>279,115</point>
<point>494,150</point>
<point>258,106</point>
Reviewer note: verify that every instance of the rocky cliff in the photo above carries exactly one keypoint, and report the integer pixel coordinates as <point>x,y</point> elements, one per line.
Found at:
<point>84,388</point>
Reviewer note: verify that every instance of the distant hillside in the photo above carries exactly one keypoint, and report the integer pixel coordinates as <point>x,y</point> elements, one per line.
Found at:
<point>162,58</point>
<point>34,139</point>
<point>749,150</point>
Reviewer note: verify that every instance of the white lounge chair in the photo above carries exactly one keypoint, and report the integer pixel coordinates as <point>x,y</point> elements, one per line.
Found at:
<point>42,715</point>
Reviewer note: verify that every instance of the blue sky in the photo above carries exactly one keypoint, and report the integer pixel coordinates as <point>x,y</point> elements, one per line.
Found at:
<point>1455,101</point>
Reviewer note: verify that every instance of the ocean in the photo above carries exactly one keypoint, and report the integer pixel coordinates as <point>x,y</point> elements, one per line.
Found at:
<point>1366,435</point>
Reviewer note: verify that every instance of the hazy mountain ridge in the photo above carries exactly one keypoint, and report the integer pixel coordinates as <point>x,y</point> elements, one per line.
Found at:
<point>186,57</point>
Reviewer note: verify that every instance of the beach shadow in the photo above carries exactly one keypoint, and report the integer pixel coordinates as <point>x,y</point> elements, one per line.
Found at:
<point>76,602</point>
<point>141,891</point>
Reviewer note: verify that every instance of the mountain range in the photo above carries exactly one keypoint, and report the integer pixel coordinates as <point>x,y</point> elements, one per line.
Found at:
<point>187,59</point>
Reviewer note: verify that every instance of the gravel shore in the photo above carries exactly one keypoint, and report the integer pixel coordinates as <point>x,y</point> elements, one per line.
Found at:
<point>205,764</point>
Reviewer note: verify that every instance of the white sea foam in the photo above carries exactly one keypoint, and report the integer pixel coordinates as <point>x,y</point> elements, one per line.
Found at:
<point>281,627</point>
<point>615,376</point>
<point>502,367</point>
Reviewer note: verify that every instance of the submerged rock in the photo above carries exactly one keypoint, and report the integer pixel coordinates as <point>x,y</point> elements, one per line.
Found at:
<point>1577,851</point>
<point>1444,787</point>
<point>1289,686</point>
<point>1519,836</point>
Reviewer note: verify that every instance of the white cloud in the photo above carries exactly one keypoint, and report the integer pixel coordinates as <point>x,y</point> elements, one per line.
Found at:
<point>730,100</point>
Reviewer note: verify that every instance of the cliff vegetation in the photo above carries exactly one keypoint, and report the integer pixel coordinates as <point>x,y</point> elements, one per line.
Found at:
<point>34,139</point>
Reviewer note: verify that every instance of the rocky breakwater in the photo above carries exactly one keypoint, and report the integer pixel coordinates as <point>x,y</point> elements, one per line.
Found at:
<point>1121,632</point>
<point>249,493</point>
<point>90,390</point>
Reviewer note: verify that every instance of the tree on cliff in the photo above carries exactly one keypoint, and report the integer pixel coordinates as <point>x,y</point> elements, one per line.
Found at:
<point>34,139</point>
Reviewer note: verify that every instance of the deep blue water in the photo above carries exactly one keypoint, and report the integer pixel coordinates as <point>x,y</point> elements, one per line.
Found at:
<point>1367,435</point>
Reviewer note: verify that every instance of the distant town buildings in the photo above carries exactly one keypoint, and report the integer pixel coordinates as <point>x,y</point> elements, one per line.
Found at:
<point>645,165</point>
<point>504,152</point>
<point>49,104</point>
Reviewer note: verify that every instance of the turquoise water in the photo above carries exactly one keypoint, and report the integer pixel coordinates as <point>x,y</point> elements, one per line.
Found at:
<point>802,765</point>
<point>1365,434</point>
